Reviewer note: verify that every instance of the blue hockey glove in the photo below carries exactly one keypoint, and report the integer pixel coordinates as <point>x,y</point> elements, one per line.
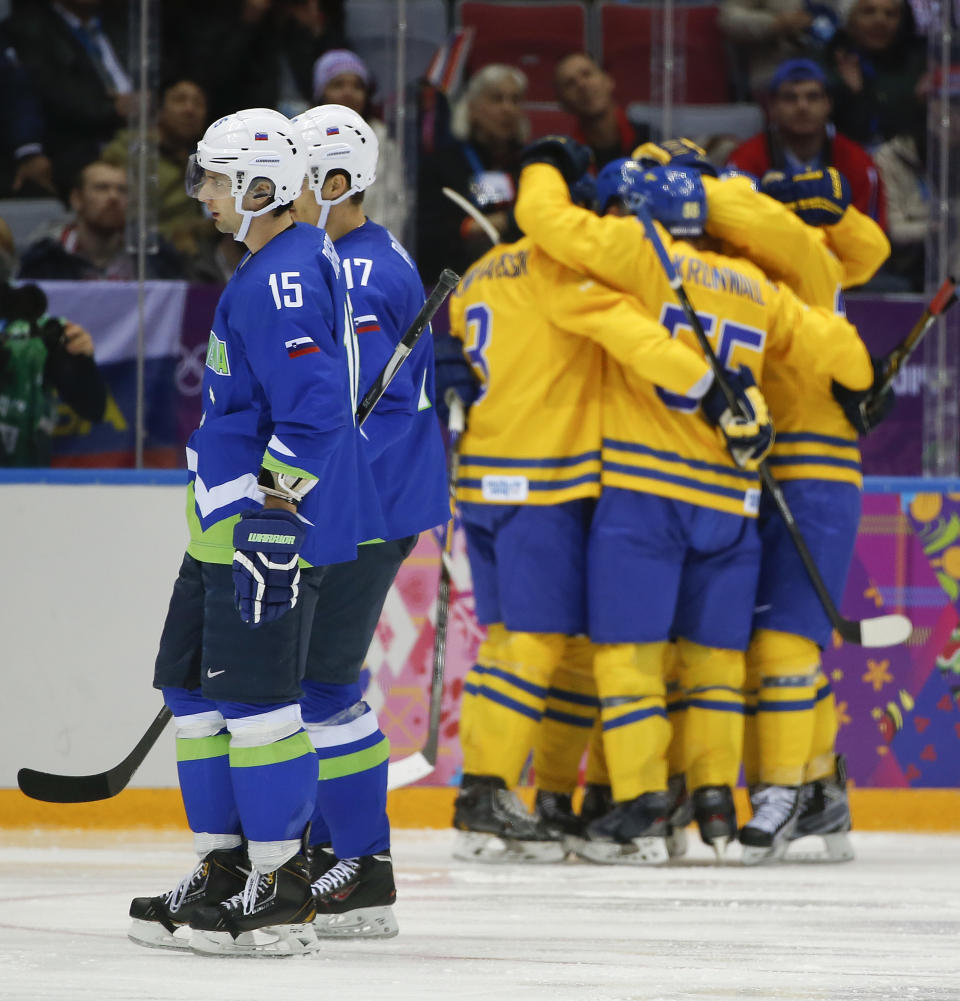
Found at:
<point>266,572</point>
<point>571,158</point>
<point>453,371</point>
<point>819,197</point>
<point>584,192</point>
<point>675,153</point>
<point>749,437</point>
<point>867,408</point>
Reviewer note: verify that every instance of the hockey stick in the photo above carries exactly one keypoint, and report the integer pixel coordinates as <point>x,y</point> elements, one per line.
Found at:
<point>475,214</point>
<point>88,788</point>
<point>421,763</point>
<point>945,297</point>
<point>446,283</point>
<point>884,630</point>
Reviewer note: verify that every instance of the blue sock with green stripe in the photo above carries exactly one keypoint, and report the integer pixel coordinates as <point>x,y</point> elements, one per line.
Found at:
<point>203,764</point>
<point>354,753</point>
<point>273,771</point>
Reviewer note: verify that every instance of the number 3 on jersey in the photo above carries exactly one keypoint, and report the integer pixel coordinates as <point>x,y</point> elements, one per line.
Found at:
<point>479,329</point>
<point>731,337</point>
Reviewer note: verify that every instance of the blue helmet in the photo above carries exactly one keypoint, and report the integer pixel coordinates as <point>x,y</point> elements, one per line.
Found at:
<point>673,196</point>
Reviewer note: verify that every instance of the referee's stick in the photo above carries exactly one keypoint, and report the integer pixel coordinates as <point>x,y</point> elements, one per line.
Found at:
<point>421,763</point>
<point>51,788</point>
<point>884,630</point>
<point>944,298</point>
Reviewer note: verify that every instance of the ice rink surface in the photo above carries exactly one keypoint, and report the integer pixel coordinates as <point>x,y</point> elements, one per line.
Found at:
<point>886,926</point>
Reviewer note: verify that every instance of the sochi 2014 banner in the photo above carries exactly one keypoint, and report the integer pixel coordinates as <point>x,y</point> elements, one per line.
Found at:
<point>899,708</point>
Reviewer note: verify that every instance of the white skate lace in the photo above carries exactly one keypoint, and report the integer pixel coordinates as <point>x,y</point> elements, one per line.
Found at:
<point>246,899</point>
<point>338,876</point>
<point>772,807</point>
<point>175,898</point>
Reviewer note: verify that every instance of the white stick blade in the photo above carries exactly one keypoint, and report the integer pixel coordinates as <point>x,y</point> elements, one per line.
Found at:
<point>408,770</point>
<point>885,630</point>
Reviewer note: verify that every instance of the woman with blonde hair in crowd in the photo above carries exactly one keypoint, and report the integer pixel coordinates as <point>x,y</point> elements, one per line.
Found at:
<point>481,162</point>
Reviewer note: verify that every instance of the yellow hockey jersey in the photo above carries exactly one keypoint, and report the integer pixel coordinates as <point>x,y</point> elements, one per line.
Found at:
<point>535,334</point>
<point>661,444</point>
<point>814,438</point>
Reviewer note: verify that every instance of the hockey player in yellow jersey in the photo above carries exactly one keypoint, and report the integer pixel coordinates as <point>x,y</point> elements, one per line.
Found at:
<point>818,244</point>
<point>673,548</point>
<point>537,336</point>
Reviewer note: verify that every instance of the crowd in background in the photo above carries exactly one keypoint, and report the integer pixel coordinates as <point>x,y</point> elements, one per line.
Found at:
<point>840,82</point>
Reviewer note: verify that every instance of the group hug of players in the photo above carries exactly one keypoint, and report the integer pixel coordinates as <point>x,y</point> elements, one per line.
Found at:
<point>640,594</point>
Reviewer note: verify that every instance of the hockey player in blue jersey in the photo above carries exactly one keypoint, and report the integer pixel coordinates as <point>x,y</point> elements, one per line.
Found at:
<point>350,834</point>
<point>273,499</point>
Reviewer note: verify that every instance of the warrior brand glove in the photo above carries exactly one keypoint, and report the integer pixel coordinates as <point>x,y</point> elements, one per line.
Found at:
<point>675,153</point>
<point>571,158</point>
<point>819,197</point>
<point>266,572</point>
<point>747,436</point>
<point>867,408</point>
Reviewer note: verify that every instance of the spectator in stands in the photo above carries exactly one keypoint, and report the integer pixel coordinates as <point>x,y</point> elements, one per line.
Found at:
<point>908,214</point>
<point>76,61</point>
<point>585,90</point>
<point>879,64</point>
<point>342,77</point>
<point>481,164</point>
<point>180,121</point>
<point>765,33</point>
<point>801,137</point>
<point>92,245</point>
<point>261,53</point>
<point>25,170</point>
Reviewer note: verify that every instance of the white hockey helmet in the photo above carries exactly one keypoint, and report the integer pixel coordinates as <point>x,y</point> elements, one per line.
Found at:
<point>248,146</point>
<point>337,138</point>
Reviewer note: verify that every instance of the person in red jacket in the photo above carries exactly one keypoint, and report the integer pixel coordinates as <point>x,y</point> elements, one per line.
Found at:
<point>800,137</point>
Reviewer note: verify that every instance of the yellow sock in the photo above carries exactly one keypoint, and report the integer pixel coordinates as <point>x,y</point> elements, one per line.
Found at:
<point>632,707</point>
<point>823,759</point>
<point>713,681</point>
<point>785,668</point>
<point>571,708</point>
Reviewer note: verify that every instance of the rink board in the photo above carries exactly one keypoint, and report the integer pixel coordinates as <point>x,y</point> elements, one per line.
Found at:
<point>96,552</point>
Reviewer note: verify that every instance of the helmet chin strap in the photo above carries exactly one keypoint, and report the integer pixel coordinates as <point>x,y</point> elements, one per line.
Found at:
<point>248,215</point>
<point>327,203</point>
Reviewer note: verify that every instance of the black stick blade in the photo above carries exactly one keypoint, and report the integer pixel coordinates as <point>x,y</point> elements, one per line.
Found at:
<point>50,788</point>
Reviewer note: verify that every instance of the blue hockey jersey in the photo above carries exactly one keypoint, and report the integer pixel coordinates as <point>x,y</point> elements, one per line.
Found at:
<point>402,433</point>
<point>280,389</point>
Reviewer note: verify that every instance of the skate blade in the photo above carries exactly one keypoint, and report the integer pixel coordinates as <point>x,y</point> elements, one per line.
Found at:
<point>639,851</point>
<point>836,848</point>
<point>364,922</point>
<point>271,942</point>
<point>677,842</point>
<point>756,855</point>
<point>153,935</point>
<point>475,846</point>
<point>719,846</point>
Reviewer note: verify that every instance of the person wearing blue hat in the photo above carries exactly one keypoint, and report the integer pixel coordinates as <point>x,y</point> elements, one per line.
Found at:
<point>800,137</point>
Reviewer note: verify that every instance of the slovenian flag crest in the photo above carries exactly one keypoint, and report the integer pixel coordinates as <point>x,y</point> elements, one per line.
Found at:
<point>300,346</point>
<point>332,130</point>
<point>260,136</point>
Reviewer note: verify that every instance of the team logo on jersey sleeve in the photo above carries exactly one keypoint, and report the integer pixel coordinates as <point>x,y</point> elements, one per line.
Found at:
<point>300,346</point>
<point>217,358</point>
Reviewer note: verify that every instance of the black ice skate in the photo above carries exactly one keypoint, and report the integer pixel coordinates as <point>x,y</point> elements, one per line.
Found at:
<point>766,835</point>
<point>597,802</point>
<point>162,922</point>
<point>632,833</point>
<point>825,812</point>
<point>555,810</point>
<point>271,916</point>
<point>716,817</point>
<point>681,815</point>
<point>495,826</point>
<point>354,898</point>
